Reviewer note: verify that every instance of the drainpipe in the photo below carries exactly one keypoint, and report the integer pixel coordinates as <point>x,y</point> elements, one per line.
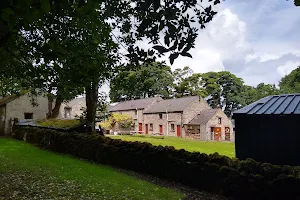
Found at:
<point>167,122</point>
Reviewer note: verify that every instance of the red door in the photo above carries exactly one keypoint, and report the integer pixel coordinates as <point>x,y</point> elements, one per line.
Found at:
<point>146,127</point>
<point>227,133</point>
<point>178,131</point>
<point>160,129</point>
<point>217,133</point>
<point>140,128</point>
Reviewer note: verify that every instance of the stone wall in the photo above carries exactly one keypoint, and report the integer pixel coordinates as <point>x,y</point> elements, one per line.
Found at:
<point>137,116</point>
<point>225,122</point>
<point>75,105</point>
<point>23,104</point>
<point>154,119</point>
<point>192,132</point>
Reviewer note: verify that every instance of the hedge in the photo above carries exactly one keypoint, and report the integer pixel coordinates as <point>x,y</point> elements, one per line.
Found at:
<point>214,173</point>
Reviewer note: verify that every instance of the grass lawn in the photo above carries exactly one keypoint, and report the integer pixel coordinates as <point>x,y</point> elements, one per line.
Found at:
<point>27,172</point>
<point>223,148</point>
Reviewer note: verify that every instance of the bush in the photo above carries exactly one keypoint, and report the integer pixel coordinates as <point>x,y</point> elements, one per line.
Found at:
<point>215,173</point>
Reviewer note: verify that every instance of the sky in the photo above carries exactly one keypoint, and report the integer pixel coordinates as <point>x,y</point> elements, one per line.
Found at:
<point>256,40</point>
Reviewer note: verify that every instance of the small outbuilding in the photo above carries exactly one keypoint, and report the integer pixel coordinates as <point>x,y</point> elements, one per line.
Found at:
<point>267,130</point>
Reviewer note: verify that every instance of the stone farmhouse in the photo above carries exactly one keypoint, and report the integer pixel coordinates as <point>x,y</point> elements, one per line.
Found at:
<point>26,107</point>
<point>188,117</point>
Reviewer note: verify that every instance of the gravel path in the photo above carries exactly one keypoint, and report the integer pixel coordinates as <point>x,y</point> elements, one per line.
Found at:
<point>190,193</point>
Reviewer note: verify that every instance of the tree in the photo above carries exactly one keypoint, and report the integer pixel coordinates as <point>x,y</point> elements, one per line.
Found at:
<point>88,53</point>
<point>223,89</point>
<point>291,82</point>
<point>141,82</point>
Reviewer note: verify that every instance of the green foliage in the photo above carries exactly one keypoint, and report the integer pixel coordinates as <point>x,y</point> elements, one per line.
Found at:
<point>144,81</point>
<point>32,173</point>
<point>124,121</point>
<point>291,82</point>
<point>219,174</point>
<point>60,123</point>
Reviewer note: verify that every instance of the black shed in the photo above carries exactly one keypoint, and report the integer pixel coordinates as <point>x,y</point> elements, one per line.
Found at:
<point>267,130</point>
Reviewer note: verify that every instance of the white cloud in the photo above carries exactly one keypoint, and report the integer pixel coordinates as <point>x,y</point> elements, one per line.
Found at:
<point>288,67</point>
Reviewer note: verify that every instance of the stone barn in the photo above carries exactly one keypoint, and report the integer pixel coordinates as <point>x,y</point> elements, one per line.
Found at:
<point>210,124</point>
<point>267,131</point>
<point>23,107</point>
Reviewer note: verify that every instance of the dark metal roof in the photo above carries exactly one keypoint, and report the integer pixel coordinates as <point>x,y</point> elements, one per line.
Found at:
<point>172,105</point>
<point>133,104</point>
<point>203,117</point>
<point>277,104</point>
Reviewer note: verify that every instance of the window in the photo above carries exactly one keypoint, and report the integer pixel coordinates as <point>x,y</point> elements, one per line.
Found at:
<point>219,120</point>
<point>135,112</point>
<point>160,116</point>
<point>133,127</point>
<point>67,112</point>
<point>151,127</point>
<point>28,115</point>
<point>172,127</point>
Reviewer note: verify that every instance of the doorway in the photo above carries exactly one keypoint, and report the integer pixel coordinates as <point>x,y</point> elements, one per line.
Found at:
<point>227,133</point>
<point>140,128</point>
<point>178,131</point>
<point>217,133</point>
<point>146,129</point>
<point>161,129</point>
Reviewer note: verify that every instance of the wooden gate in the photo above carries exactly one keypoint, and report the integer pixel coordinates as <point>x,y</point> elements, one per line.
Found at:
<point>160,129</point>
<point>178,131</point>
<point>217,133</point>
<point>140,128</point>
<point>146,128</point>
<point>227,133</point>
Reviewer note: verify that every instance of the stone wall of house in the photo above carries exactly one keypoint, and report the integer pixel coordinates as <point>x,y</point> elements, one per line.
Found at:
<point>192,132</point>
<point>214,122</point>
<point>169,126</point>
<point>194,109</point>
<point>137,116</point>
<point>75,107</point>
<point>18,107</point>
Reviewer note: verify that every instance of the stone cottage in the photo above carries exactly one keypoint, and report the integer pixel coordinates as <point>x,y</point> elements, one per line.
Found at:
<point>210,124</point>
<point>189,117</point>
<point>27,107</point>
<point>167,117</point>
<point>135,109</point>
<point>23,107</point>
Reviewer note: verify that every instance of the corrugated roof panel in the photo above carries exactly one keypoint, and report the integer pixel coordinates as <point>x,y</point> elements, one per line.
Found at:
<point>284,104</point>
<point>277,104</point>
<point>255,108</point>
<point>292,106</point>
<point>297,110</point>
<point>267,106</point>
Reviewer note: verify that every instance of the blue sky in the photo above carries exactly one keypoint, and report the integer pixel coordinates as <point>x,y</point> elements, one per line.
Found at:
<point>257,40</point>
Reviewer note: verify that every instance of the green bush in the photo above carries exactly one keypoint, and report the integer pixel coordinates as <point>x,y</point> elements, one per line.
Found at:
<point>219,174</point>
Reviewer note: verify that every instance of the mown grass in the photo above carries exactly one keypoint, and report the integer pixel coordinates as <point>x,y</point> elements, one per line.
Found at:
<point>208,147</point>
<point>59,123</point>
<point>27,172</point>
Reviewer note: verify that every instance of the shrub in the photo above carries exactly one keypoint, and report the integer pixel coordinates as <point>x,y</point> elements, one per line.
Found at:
<point>219,174</point>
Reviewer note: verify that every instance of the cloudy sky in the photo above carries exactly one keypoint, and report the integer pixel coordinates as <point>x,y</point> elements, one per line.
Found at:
<point>257,40</point>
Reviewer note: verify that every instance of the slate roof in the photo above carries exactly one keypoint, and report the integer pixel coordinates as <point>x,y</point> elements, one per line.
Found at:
<point>133,104</point>
<point>10,98</point>
<point>275,105</point>
<point>203,117</point>
<point>172,105</point>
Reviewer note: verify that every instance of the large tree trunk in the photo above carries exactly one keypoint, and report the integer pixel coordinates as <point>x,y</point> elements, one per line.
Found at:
<point>55,110</point>
<point>91,105</point>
